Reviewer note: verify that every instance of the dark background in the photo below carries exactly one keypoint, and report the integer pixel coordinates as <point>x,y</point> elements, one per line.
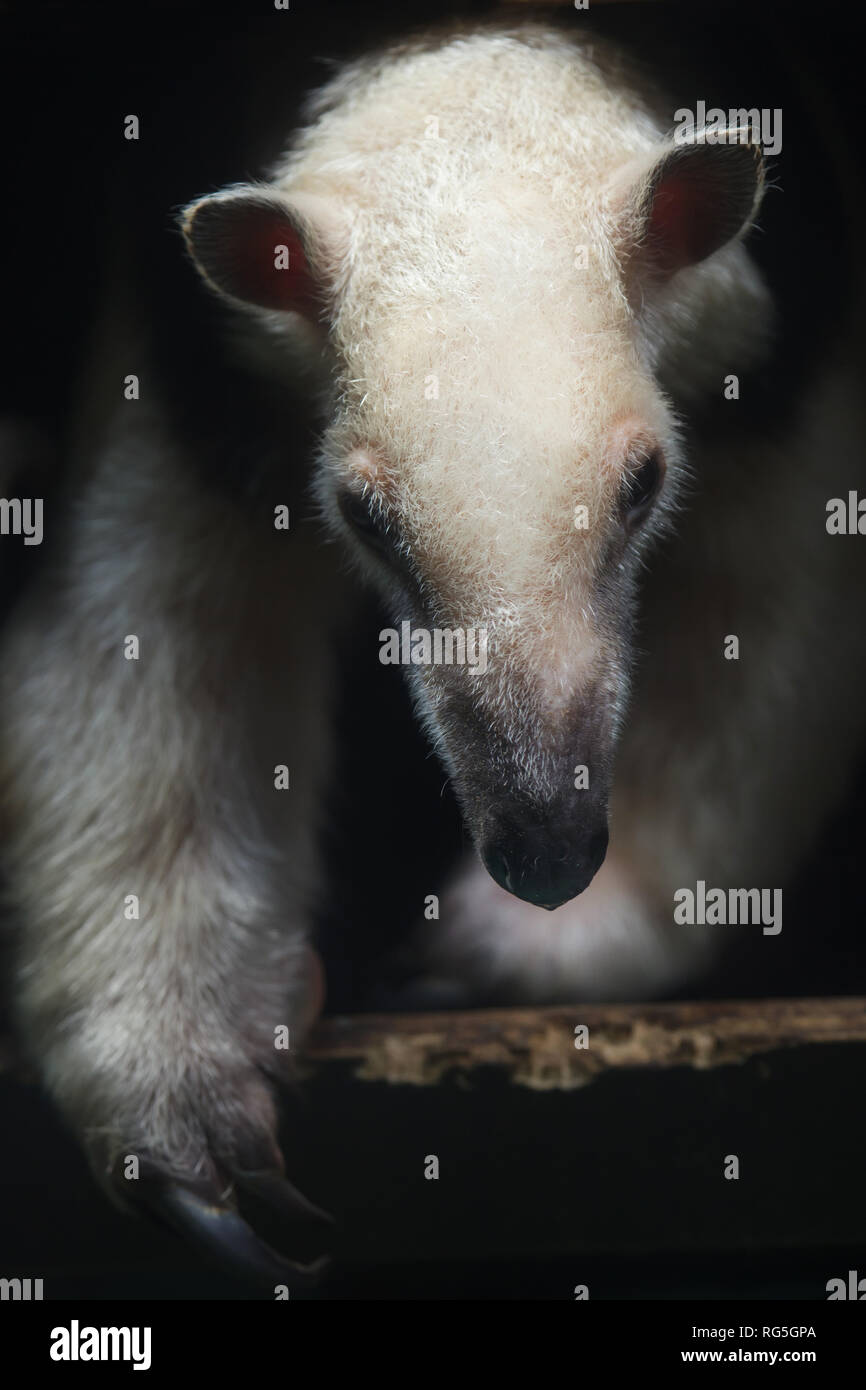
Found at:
<point>217,88</point>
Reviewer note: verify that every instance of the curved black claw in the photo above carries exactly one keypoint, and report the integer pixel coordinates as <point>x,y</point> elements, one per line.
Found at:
<point>214,1224</point>
<point>282,1196</point>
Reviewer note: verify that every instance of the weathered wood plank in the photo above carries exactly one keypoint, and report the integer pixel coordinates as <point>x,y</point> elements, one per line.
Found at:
<point>536,1047</point>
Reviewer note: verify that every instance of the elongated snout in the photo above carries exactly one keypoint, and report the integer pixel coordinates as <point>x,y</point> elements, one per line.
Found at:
<point>532,765</point>
<point>545,863</point>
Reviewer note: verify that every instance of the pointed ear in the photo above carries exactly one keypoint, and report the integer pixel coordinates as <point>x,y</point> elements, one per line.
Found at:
<point>261,248</point>
<point>689,201</point>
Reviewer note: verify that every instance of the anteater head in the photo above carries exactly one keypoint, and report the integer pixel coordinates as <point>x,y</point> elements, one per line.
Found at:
<point>502,447</point>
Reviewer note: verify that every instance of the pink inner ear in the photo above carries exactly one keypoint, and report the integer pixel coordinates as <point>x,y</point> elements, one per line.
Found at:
<point>255,275</point>
<point>683,222</point>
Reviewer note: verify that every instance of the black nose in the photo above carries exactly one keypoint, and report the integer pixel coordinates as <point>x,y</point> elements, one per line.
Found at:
<point>541,866</point>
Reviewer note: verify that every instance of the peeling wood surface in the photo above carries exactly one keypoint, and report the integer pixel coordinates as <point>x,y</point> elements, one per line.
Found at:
<point>536,1047</point>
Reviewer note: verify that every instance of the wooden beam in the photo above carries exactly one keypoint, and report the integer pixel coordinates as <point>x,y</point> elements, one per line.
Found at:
<point>536,1047</point>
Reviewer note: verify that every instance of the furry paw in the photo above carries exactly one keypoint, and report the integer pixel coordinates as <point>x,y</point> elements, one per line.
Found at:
<point>179,1123</point>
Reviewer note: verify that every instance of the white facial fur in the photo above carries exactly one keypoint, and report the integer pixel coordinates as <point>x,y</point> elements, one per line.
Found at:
<point>500,344</point>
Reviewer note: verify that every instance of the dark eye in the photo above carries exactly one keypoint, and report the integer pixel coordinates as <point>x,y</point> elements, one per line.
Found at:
<point>366,521</point>
<point>640,489</point>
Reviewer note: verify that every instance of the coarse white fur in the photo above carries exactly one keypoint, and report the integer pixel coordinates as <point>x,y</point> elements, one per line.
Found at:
<point>449,186</point>
<point>154,777</point>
